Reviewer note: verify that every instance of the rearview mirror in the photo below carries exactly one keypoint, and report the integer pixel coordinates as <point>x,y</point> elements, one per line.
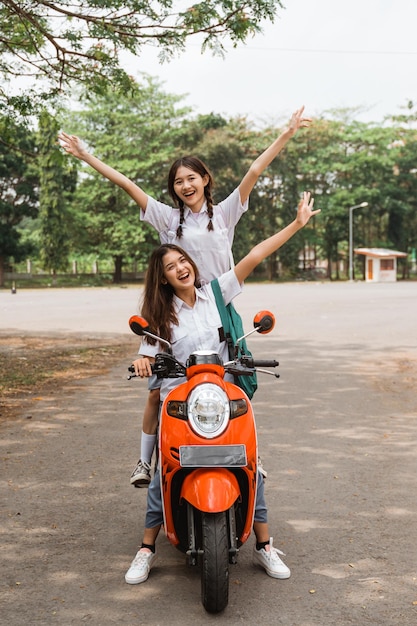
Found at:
<point>138,325</point>
<point>264,322</point>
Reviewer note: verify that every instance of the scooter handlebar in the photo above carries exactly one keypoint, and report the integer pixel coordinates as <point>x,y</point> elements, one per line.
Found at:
<point>167,367</point>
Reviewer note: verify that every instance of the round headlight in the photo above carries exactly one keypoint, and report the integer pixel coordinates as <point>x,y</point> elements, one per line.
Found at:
<point>208,410</point>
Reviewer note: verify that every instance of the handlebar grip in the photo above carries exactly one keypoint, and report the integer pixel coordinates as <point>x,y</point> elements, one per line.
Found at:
<point>265,363</point>
<point>131,368</point>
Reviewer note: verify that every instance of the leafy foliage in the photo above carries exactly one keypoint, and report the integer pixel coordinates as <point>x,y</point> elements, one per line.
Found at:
<point>52,210</point>
<point>65,43</point>
<point>135,134</point>
<point>340,161</point>
<point>18,189</point>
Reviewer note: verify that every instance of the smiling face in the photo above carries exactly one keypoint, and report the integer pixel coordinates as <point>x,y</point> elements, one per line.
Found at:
<point>178,271</point>
<point>190,182</point>
<point>189,187</point>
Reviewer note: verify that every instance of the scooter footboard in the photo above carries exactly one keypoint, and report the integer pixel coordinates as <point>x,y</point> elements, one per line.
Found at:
<point>210,490</point>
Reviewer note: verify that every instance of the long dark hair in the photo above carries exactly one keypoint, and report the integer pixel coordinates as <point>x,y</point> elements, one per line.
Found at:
<point>196,165</point>
<point>158,296</point>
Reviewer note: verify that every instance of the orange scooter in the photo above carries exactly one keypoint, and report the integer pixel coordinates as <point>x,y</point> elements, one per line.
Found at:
<point>208,459</point>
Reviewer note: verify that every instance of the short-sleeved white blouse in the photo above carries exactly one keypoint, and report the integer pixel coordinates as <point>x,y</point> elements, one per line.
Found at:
<point>210,250</point>
<point>198,327</point>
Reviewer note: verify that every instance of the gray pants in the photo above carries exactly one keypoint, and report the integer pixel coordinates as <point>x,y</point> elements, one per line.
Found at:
<point>154,516</point>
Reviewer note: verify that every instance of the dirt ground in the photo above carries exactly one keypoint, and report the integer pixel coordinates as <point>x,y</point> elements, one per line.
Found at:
<point>41,365</point>
<point>337,434</point>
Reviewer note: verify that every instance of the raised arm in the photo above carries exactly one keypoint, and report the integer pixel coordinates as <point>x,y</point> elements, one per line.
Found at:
<point>74,146</point>
<point>261,163</point>
<point>262,250</point>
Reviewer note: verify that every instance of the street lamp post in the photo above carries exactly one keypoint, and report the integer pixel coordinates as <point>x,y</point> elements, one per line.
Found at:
<point>351,209</point>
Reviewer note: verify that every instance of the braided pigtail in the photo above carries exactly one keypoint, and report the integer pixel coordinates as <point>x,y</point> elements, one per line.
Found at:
<point>209,200</point>
<point>179,229</point>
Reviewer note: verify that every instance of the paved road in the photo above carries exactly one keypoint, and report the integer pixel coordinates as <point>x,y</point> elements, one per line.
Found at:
<point>379,315</point>
<point>337,433</point>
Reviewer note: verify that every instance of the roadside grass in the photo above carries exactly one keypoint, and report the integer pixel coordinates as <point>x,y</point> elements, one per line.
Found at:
<point>33,365</point>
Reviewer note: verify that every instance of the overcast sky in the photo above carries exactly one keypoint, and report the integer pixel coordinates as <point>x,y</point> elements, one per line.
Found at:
<point>322,53</point>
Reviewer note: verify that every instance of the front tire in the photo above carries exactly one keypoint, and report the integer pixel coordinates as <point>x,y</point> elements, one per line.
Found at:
<point>214,562</point>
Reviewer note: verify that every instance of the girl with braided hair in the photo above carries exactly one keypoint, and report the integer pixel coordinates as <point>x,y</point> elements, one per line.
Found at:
<point>204,230</point>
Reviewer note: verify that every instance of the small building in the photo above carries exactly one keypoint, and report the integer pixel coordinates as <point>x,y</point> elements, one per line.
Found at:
<point>380,264</point>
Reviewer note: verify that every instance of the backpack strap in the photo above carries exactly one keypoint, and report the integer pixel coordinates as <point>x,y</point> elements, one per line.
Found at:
<point>221,307</point>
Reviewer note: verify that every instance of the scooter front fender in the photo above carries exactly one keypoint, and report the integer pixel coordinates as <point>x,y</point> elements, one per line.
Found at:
<point>211,490</point>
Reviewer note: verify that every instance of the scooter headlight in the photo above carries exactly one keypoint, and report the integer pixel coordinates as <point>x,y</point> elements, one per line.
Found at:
<point>208,410</point>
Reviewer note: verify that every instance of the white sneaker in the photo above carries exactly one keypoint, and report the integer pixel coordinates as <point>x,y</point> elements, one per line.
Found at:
<point>270,561</point>
<point>141,475</point>
<point>140,567</point>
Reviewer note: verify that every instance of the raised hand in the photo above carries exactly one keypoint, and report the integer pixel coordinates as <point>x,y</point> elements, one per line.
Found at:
<point>305,209</point>
<point>298,121</point>
<point>72,144</point>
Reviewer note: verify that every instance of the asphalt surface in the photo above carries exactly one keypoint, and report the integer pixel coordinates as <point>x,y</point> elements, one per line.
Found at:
<point>337,435</point>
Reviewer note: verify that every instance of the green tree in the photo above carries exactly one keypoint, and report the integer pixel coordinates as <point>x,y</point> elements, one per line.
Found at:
<point>365,173</point>
<point>64,43</point>
<point>402,224</point>
<point>18,190</point>
<point>343,163</point>
<point>274,200</point>
<point>139,135</point>
<point>320,171</point>
<point>53,217</point>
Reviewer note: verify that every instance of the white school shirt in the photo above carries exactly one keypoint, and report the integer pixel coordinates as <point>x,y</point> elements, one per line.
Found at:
<point>198,327</point>
<point>210,250</point>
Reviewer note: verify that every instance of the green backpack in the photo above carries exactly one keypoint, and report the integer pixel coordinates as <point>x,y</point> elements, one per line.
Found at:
<point>233,330</point>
